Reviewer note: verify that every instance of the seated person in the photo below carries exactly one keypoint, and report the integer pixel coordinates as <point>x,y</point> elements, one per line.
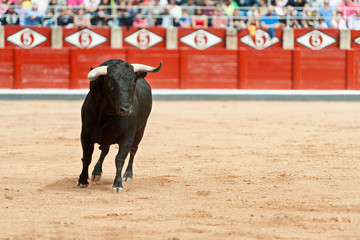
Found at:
<point>82,20</point>
<point>199,20</point>
<point>270,21</point>
<point>338,22</point>
<point>354,20</point>
<point>301,12</point>
<point>125,16</point>
<point>139,21</point>
<point>33,16</point>
<point>66,16</point>
<point>10,17</point>
<point>102,16</point>
<point>184,21</point>
<point>219,19</point>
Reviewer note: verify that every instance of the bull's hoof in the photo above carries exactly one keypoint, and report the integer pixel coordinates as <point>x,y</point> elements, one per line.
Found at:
<point>96,178</point>
<point>128,176</point>
<point>127,179</point>
<point>82,185</point>
<point>117,189</point>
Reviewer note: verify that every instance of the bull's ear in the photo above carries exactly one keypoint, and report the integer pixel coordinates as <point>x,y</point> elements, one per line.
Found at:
<point>91,68</point>
<point>140,75</point>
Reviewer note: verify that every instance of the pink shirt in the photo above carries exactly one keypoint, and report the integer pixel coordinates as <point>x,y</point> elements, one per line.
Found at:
<point>3,8</point>
<point>75,2</point>
<point>139,22</point>
<point>347,10</point>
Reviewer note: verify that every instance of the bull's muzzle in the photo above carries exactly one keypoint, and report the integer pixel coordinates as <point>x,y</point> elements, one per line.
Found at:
<point>126,111</point>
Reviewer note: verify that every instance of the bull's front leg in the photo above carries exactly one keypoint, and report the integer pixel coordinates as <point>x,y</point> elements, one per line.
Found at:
<point>96,174</point>
<point>124,149</point>
<point>88,149</point>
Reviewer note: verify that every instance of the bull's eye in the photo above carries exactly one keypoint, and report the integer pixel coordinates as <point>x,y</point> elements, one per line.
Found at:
<point>110,86</point>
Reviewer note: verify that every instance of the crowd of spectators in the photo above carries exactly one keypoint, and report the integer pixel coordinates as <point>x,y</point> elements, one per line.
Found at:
<point>240,14</point>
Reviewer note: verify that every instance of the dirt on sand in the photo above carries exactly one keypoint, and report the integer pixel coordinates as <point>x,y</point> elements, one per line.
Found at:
<point>204,170</point>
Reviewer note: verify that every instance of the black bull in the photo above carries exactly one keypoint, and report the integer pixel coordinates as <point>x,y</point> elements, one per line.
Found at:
<point>115,111</point>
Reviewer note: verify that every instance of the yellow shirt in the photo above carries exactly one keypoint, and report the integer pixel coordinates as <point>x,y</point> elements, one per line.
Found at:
<point>26,3</point>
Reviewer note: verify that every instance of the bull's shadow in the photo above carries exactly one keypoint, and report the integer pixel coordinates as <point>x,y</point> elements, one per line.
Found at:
<point>141,183</point>
<point>69,185</point>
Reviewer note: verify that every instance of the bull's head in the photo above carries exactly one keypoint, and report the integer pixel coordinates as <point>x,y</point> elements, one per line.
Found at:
<point>119,81</point>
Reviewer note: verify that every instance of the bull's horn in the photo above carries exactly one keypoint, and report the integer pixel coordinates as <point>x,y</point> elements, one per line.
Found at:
<point>145,68</point>
<point>96,72</point>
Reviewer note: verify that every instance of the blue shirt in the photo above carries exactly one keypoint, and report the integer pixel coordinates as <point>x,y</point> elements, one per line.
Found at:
<point>186,20</point>
<point>327,14</point>
<point>37,20</point>
<point>269,20</point>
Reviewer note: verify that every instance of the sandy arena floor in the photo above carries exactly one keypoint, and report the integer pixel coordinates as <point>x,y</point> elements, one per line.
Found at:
<point>204,170</point>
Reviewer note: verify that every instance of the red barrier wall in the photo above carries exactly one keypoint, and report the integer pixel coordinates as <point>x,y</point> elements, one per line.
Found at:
<point>82,59</point>
<point>245,68</point>
<point>201,38</point>
<point>261,40</point>
<point>27,37</point>
<point>266,69</point>
<point>86,38</point>
<point>169,76</point>
<point>209,69</point>
<point>201,60</point>
<point>355,73</point>
<point>325,69</point>
<point>40,69</point>
<point>98,37</point>
<point>355,39</point>
<point>352,70</point>
<point>316,39</point>
<point>138,38</point>
<point>7,68</point>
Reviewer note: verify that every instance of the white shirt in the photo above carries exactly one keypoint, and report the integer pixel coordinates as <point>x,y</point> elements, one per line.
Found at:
<point>90,3</point>
<point>42,4</point>
<point>176,11</point>
<point>338,25</point>
<point>320,25</point>
<point>163,2</point>
<point>334,4</point>
<point>354,22</point>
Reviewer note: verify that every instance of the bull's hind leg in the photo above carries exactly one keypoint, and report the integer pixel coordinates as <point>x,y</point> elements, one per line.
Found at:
<point>128,175</point>
<point>88,149</point>
<point>96,174</point>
